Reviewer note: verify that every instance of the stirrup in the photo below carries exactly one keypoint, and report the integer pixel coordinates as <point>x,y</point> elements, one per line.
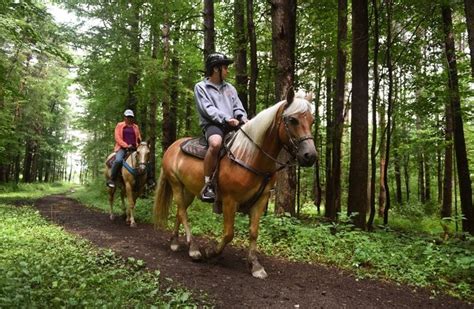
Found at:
<point>207,193</point>
<point>110,183</point>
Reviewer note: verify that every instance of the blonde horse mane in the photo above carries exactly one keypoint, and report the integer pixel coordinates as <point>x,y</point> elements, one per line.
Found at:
<point>242,147</point>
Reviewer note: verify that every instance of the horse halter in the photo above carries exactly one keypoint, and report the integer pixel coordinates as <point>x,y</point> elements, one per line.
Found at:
<point>141,167</point>
<point>295,142</point>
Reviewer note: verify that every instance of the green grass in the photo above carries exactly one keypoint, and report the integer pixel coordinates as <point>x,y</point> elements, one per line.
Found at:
<point>409,252</point>
<point>43,266</point>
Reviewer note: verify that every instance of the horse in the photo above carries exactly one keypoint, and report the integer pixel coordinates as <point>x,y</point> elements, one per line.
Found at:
<point>131,181</point>
<point>245,175</point>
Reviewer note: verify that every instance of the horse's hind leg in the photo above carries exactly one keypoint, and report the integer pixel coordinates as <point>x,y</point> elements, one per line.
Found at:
<point>183,199</point>
<point>111,192</point>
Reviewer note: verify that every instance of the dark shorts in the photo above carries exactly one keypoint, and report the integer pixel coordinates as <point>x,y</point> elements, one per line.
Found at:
<point>216,129</point>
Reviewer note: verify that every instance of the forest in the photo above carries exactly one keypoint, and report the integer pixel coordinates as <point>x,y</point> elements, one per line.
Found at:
<point>392,83</point>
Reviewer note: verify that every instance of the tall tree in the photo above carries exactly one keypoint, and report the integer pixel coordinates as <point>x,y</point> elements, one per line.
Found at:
<point>358,173</point>
<point>446,206</point>
<point>283,53</point>
<point>469,11</point>
<point>333,199</point>
<point>241,77</point>
<point>459,141</point>
<point>252,104</point>
<point>209,31</point>
<point>375,96</point>
<point>134,69</point>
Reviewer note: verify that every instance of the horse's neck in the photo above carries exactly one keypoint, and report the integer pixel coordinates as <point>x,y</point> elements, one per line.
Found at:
<point>130,159</point>
<point>271,146</point>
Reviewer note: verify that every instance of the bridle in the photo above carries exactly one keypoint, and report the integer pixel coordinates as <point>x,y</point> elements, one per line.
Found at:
<point>295,143</point>
<point>136,169</point>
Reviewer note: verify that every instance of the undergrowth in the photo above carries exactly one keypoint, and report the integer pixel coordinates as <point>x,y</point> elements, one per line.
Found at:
<point>43,266</point>
<point>411,256</point>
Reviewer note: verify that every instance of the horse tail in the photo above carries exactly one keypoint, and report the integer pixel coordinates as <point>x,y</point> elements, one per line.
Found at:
<point>163,198</point>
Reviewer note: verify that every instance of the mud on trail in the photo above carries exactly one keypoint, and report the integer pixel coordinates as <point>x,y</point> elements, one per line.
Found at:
<point>226,280</point>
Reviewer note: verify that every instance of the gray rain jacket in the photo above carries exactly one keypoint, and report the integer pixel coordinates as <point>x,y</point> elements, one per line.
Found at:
<point>217,103</point>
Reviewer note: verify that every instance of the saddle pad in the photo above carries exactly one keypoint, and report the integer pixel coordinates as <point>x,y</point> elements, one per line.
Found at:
<point>110,160</point>
<point>195,147</point>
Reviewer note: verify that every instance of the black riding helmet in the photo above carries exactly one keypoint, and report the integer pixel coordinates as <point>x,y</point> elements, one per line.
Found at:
<point>216,59</point>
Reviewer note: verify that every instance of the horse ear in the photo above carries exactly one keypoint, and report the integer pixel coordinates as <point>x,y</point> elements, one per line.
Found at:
<point>290,95</point>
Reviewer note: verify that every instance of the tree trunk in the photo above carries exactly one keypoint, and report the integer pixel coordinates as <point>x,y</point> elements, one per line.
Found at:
<point>330,212</point>
<point>153,106</point>
<point>338,116</point>
<point>240,58</point>
<point>209,32</point>
<point>447,205</point>
<point>459,141</point>
<point>166,125</point>
<point>252,109</point>
<point>358,172</point>
<point>135,56</point>
<point>283,51</point>
<point>469,10</point>
<point>375,96</point>
<point>389,109</point>
<point>317,191</point>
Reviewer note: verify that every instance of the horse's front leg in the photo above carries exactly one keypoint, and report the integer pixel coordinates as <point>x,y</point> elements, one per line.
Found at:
<point>255,213</point>
<point>111,192</point>
<point>229,209</point>
<point>131,204</point>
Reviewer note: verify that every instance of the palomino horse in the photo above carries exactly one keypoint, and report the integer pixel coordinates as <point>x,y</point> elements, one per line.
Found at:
<point>246,174</point>
<point>131,181</point>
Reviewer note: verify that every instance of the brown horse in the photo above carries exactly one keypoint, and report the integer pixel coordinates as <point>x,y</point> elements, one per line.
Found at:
<point>131,181</point>
<point>246,174</point>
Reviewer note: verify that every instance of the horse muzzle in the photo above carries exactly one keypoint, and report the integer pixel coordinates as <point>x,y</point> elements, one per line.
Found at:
<point>306,153</point>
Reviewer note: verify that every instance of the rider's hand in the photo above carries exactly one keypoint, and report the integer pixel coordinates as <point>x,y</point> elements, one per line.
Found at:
<point>233,122</point>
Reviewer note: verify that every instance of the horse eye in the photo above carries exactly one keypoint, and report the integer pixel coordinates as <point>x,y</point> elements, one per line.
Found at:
<point>293,121</point>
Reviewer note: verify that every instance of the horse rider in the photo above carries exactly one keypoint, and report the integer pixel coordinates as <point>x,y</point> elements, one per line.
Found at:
<point>127,137</point>
<point>220,111</point>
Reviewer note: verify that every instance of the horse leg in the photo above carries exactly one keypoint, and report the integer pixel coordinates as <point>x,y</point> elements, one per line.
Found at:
<point>255,213</point>
<point>229,210</point>
<point>131,204</point>
<point>111,202</point>
<point>183,199</point>
<point>122,198</point>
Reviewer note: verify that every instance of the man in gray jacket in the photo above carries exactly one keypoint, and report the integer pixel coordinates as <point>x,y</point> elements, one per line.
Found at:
<point>220,111</point>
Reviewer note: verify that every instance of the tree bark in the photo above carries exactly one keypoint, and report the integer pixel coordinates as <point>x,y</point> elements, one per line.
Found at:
<point>240,58</point>
<point>133,74</point>
<point>447,205</point>
<point>252,108</point>
<point>459,141</point>
<point>469,10</point>
<point>330,213</point>
<point>283,50</point>
<point>338,116</point>
<point>375,96</point>
<point>358,172</point>
<point>209,32</point>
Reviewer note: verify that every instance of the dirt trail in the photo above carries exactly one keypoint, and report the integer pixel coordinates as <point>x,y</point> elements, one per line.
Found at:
<point>226,279</point>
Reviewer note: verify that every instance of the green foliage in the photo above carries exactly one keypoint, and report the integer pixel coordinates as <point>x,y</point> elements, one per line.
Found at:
<point>405,254</point>
<point>44,266</point>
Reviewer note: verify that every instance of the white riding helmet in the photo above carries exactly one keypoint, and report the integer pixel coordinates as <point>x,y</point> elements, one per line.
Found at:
<point>128,113</point>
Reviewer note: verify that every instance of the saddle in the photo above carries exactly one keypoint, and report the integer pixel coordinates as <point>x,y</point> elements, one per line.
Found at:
<point>197,146</point>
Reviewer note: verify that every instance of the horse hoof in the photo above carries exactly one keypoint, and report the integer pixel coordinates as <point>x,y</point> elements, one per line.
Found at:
<point>112,217</point>
<point>260,274</point>
<point>195,254</point>
<point>174,245</point>
<point>133,224</point>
